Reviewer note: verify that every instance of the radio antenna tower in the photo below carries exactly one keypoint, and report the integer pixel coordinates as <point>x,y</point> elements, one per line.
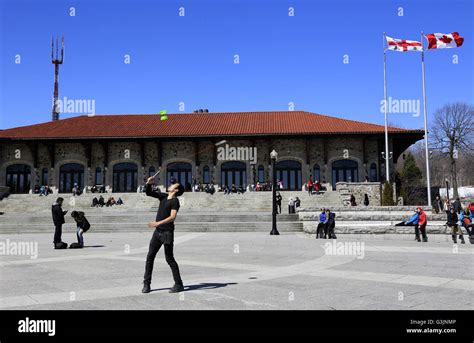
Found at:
<point>56,61</point>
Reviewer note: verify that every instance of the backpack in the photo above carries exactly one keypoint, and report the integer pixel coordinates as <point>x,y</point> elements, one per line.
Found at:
<point>75,246</point>
<point>60,245</point>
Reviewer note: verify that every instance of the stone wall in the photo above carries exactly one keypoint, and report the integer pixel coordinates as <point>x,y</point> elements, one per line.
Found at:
<point>307,151</point>
<point>359,189</point>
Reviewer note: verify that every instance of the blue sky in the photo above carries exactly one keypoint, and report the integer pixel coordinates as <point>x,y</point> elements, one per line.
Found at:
<point>190,59</point>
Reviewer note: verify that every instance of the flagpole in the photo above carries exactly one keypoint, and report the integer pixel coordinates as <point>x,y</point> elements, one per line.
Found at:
<point>427,157</point>
<point>387,159</point>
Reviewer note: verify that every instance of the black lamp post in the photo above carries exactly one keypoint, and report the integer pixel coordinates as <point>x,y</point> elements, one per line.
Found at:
<point>273,157</point>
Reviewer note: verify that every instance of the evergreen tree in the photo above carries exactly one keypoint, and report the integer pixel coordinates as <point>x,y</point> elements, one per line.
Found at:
<point>410,179</point>
<point>387,194</point>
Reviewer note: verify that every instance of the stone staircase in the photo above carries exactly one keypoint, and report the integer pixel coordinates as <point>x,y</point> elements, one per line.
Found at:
<point>204,212</point>
<point>199,212</point>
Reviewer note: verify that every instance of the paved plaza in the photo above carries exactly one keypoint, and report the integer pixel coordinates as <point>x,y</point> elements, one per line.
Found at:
<point>237,271</point>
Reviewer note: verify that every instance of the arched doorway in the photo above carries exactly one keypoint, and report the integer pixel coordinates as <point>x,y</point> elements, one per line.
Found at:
<point>261,174</point>
<point>125,177</point>
<point>344,170</point>
<point>181,172</point>
<point>18,178</point>
<point>289,172</point>
<point>373,173</point>
<point>69,174</point>
<point>316,173</point>
<point>206,176</point>
<point>234,173</point>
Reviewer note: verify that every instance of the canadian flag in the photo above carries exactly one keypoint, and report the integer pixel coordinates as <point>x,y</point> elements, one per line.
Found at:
<point>442,40</point>
<point>403,44</point>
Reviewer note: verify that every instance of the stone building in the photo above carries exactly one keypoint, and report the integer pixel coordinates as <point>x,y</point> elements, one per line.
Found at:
<point>120,151</point>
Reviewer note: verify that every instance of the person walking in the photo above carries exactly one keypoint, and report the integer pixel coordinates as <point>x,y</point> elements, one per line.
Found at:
<point>58,220</point>
<point>164,233</point>
<point>452,222</point>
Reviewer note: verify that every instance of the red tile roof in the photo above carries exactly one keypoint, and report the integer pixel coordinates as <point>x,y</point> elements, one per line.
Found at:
<point>195,125</point>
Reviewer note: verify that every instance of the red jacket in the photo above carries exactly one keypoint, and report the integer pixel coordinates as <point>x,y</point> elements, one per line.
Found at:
<point>422,220</point>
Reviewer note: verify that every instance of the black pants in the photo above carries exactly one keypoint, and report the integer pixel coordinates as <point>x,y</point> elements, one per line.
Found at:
<point>159,238</point>
<point>421,229</point>
<point>469,228</point>
<point>319,230</point>
<point>58,231</point>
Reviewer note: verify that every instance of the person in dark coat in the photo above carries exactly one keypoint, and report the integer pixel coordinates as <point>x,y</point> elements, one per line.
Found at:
<point>58,220</point>
<point>331,225</point>
<point>452,222</point>
<point>278,202</point>
<point>101,202</point>
<point>82,226</point>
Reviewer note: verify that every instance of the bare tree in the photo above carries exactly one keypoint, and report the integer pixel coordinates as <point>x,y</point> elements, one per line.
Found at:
<point>451,133</point>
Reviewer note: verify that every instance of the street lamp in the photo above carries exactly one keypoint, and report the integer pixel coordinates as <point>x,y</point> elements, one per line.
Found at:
<point>273,157</point>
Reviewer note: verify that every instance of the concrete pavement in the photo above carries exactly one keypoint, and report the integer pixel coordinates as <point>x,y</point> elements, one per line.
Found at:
<point>239,270</point>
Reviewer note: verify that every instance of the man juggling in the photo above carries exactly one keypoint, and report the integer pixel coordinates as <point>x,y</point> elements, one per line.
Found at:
<point>164,232</point>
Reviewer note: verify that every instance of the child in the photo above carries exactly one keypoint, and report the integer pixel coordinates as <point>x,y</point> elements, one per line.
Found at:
<point>82,226</point>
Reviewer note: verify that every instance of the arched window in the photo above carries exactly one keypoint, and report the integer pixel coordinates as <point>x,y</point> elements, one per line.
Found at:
<point>70,174</point>
<point>206,176</point>
<point>261,174</point>
<point>125,177</point>
<point>98,176</point>
<point>151,171</point>
<point>289,172</point>
<point>316,173</point>
<point>234,173</point>
<point>18,178</point>
<point>44,177</point>
<point>373,173</point>
<point>180,172</point>
<point>344,170</point>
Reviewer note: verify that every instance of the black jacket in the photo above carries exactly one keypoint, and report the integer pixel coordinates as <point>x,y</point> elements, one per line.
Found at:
<point>58,215</point>
<point>452,219</point>
<point>82,221</point>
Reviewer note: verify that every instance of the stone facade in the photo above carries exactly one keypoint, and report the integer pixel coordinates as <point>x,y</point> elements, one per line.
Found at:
<point>359,189</point>
<point>48,157</point>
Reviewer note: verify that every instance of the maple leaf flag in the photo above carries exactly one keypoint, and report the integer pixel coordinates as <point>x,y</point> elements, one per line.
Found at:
<point>403,44</point>
<point>443,41</point>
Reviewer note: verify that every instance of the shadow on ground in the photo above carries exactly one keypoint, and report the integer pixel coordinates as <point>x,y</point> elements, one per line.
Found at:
<point>199,286</point>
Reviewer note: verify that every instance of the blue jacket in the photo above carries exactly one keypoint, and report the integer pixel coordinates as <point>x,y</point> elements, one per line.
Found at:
<point>322,217</point>
<point>414,219</point>
<point>461,217</point>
